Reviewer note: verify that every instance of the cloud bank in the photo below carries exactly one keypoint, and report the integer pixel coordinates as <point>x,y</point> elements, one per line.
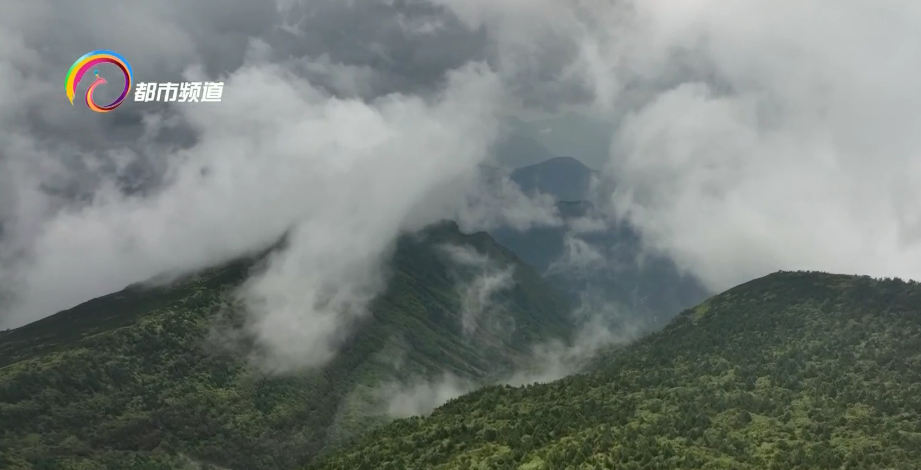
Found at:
<point>750,137</point>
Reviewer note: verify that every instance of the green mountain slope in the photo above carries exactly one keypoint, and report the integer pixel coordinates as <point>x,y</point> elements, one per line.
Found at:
<point>140,380</point>
<point>790,371</point>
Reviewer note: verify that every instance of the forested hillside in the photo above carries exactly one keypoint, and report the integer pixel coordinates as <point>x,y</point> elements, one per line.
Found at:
<point>142,379</point>
<point>790,371</point>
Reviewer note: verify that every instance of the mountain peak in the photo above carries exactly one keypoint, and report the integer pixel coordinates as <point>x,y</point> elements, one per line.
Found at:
<point>565,178</point>
<point>823,291</point>
<point>563,160</point>
<point>792,361</point>
<point>184,350</point>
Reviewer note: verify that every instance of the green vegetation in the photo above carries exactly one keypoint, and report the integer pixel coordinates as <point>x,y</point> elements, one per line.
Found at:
<point>140,379</point>
<point>790,371</point>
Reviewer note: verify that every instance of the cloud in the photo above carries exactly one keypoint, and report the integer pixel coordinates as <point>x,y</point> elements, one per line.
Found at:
<point>751,137</point>
<point>587,225</point>
<point>90,203</point>
<point>421,397</point>
<point>343,145</point>
<point>278,154</point>
<point>603,326</point>
<point>281,155</point>
<point>478,293</point>
<point>496,201</point>
<point>748,137</point>
<point>805,159</point>
<point>486,199</point>
<point>578,255</point>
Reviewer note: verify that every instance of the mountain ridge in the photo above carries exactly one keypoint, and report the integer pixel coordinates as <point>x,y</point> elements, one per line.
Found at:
<point>94,388</point>
<point>793,370</point>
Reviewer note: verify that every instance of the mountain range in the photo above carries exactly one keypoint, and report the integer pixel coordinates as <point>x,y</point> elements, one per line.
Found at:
<point>149,377</point>
<point>160,376</point>
<point>796,370</point>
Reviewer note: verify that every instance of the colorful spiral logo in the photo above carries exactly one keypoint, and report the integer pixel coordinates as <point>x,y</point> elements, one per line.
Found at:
<point>91,61</point>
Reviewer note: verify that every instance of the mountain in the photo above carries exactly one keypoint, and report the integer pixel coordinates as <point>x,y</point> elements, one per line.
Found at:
<point>516,150</point>
<point>149,377</point>
<point>582,137</point>
<point>564,178</point>
<point>794,370</point>
<point>649,288</point>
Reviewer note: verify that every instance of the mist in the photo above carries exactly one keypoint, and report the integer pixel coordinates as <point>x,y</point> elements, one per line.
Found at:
<point>421,397</point>
<point>603,328</point>
<point>478,286</point>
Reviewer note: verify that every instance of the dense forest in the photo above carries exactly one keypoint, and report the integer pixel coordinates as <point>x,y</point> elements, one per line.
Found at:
<point>144,378</point>
<point>790,371</point>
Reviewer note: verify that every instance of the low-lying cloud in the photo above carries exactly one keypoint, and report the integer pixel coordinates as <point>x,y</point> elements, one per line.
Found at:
<point>420,397</point>
<point>604,326</point>
<point>479,286</point>
<point>579,256</point>
<point>281,155</point>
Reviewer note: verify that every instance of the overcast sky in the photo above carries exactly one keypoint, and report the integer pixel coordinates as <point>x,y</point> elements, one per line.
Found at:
<point>747,137</point>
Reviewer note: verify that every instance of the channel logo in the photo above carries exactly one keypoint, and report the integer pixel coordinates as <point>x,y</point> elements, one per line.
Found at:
<point>91,61</point>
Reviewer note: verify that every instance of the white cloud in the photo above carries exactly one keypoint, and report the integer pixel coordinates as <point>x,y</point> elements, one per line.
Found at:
<point>499,202</point>
<point>757,136</point>
<point>420,397</point>
<point>587,225</point>
<point>603,326</point>
<point>479,288</point>
<point>805,159</point>
<point>578,255</point>
<point>275,154</point>
<point>781,135</point>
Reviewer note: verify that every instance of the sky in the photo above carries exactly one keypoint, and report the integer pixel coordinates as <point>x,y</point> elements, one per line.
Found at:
<point>745,138</point>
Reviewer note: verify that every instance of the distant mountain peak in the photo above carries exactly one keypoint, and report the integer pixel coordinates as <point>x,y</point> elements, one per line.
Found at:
<point>565,178</point>
<point>565,160</point>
